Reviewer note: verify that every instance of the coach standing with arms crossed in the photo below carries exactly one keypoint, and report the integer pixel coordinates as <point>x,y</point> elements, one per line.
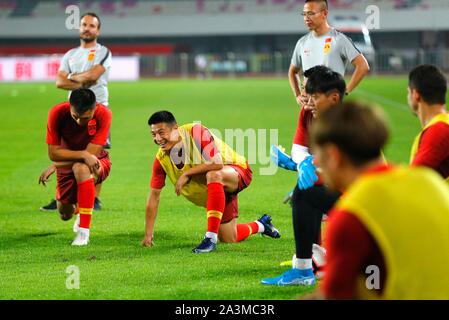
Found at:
<point>323,45</point>
<point>86,66</point>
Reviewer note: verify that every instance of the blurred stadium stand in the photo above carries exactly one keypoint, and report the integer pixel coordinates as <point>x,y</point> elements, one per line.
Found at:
<point>237,37</point>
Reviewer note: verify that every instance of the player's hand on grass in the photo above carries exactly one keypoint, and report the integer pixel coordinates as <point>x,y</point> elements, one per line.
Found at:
<point>45,175</point>
<point>92,162</point>
<point>148,241</point>
<point>182,181</point>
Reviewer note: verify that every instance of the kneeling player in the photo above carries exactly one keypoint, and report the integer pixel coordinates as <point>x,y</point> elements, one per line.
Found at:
<point>208,173</point>
<point>76,133</point>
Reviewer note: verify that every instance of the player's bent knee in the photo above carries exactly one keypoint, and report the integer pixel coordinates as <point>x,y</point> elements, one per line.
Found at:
<point>214,176</point>
<point>79,167</point>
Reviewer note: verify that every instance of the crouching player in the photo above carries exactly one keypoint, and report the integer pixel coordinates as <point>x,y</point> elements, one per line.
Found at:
<point>311,198</point>
<point>390,219</point>
<point>76,133</point>
<point>208,173</point>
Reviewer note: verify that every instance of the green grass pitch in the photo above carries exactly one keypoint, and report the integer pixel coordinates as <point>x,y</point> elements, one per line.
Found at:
<point>35,246</point>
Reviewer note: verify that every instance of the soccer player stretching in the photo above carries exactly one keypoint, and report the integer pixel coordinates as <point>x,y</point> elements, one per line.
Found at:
<point>208,173</point>
<point>391,220</point>
<point>76,133</point>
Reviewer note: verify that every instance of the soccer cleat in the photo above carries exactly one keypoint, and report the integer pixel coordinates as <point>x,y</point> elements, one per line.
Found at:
<point>82,237</point>
<point>292,277</point>
<point>76,224</point>
<point>207,245</point>
<point>270,230</point>
<point>97,204</point>
<point>49,207</point>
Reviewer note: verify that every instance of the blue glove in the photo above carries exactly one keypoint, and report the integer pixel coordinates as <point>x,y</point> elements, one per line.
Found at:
<point>306,174</point>
<point>281,159</point>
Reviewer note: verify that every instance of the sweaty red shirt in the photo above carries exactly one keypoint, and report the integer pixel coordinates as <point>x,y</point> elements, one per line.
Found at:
<point>433,150</point>
<point>203,139</point>
<point>63,130</point>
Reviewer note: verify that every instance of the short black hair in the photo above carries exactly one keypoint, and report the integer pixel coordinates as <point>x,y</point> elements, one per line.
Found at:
<point>92,14</point>
<point>430,82</point>
<point>162,116</point>
<point>321,79</point>
<point>358,130</point>
<point>325,2</point>
<point>82,100</point>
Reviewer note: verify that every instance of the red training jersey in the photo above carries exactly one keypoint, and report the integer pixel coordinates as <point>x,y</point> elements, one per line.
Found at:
<point>63,130</point>
<point>302,131</point>
<point>433,150</point>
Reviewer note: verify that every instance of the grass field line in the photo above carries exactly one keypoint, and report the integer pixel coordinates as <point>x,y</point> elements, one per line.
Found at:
<point>383,100</point>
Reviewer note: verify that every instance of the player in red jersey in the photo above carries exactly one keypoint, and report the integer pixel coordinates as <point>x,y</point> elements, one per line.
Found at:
<point>76,133</point>
<point>427,98</point>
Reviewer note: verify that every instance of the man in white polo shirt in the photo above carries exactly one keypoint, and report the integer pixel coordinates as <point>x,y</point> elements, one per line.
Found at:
<point>86,66</point>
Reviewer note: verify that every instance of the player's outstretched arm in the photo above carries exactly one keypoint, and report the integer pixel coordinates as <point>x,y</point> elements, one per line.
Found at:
<point>63,83</point>
<point>150,216</point>
<point>361,70</point>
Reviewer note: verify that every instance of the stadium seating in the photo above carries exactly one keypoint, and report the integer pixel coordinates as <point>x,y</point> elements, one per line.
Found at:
<point>16,8</point>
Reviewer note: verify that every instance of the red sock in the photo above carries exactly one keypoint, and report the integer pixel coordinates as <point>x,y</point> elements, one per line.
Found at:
<point>215,206</point>
<point>244,230</point>
<point>86,199</point>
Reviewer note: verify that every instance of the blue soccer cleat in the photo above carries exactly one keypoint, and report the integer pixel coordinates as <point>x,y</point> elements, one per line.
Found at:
<point>281,159</point>
<point>270,230</point>
<point>292,277</point>
<point>207,245</point>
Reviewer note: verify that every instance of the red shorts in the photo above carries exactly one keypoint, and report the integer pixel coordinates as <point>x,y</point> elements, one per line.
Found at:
<point>231,210</point>
<point>67,187</point>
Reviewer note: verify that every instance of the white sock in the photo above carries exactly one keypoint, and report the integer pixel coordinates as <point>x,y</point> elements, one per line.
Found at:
<point>85,231</point>
<point>261,227</point>
<point>302,264</point>
<point>213,236</point>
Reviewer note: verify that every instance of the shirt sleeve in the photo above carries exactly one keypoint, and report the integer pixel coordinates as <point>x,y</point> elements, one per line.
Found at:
<point>348,49</point>
<point>296,57</point>
<point>64,66</point>
<point>350,245</point>
<point>53,136</point>
<point>301,135</point>
<point>204,142</point>
<point>103,126</point>
<point>158,175</point>
<point>433,147</point>
<point>104,57</point>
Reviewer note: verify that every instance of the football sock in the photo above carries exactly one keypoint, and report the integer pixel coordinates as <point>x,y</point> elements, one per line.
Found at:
<point>302,264</point>
<point>244,230</point>
<point>215,207</point>
<point>86,198</point>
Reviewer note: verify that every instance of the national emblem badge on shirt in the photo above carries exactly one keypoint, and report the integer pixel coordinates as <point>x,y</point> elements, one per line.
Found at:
<point>91,55</point>
<point>327,45</point>
<point>92,127</point>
